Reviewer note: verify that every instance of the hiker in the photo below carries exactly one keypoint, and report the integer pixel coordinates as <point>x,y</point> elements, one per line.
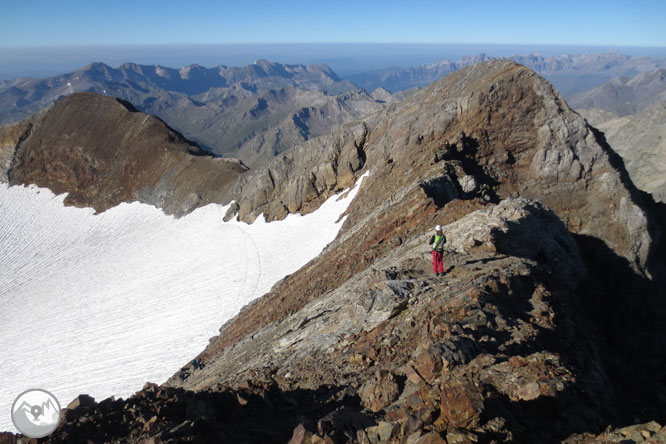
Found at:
<point>437,241</point>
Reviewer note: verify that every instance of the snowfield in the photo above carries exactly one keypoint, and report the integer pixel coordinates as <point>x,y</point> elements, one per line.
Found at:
<point>100,304</point>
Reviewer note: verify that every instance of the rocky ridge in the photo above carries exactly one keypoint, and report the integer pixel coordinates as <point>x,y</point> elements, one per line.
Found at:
<point>482,134</point>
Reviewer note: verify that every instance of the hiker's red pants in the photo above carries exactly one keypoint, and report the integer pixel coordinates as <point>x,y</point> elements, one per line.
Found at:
<point>437,264</point>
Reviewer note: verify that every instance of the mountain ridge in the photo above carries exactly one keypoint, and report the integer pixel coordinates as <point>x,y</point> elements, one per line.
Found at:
<point>412,205</point>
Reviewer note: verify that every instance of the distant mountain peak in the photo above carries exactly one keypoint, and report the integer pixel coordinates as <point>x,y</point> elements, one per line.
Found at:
<point>96,65</point>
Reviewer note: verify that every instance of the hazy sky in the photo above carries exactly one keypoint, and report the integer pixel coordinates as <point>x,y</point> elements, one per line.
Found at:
<point>580,22</point>
<point>42,38</point>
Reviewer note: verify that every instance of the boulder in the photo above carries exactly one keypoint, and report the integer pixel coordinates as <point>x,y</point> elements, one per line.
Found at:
<point>461,404</point>
<point>519,227</point>
<point>379,392</point>
<point>84,401</point>
<point>301,436</point>
<point>431,438</point>
<point>7,438</point>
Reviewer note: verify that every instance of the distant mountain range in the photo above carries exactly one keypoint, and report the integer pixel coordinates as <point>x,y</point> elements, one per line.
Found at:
<point>568,73</point>
<point>251,112</point>
<point>257,111</point>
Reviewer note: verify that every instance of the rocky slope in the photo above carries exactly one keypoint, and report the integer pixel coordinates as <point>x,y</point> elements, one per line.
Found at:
<point>546,327</point>
<point>247,112</point>
<point>102,151</point>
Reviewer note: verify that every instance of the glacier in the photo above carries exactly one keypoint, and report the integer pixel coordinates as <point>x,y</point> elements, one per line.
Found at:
<point>102,303</point>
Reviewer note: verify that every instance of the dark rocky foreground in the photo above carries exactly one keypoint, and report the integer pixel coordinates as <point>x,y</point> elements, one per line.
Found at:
<point>547,326</point>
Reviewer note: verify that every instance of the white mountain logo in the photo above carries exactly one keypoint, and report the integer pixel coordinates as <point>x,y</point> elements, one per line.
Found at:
<point>36,413</point>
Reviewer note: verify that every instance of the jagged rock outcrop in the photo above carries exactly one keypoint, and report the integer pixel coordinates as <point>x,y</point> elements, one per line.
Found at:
<point>102,151</point>
<point>303,178</point>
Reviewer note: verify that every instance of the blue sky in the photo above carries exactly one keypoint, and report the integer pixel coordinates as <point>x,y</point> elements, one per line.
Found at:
<point>148,22</point>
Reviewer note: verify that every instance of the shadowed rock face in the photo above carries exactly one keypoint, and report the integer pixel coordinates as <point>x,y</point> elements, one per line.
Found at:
<point>103,152</point>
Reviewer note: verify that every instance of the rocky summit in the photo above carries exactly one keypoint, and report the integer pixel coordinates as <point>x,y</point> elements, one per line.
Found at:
<point>545,326</point>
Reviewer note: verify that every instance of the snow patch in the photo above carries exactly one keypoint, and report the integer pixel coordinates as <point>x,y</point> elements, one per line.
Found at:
<point>100,304</point>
